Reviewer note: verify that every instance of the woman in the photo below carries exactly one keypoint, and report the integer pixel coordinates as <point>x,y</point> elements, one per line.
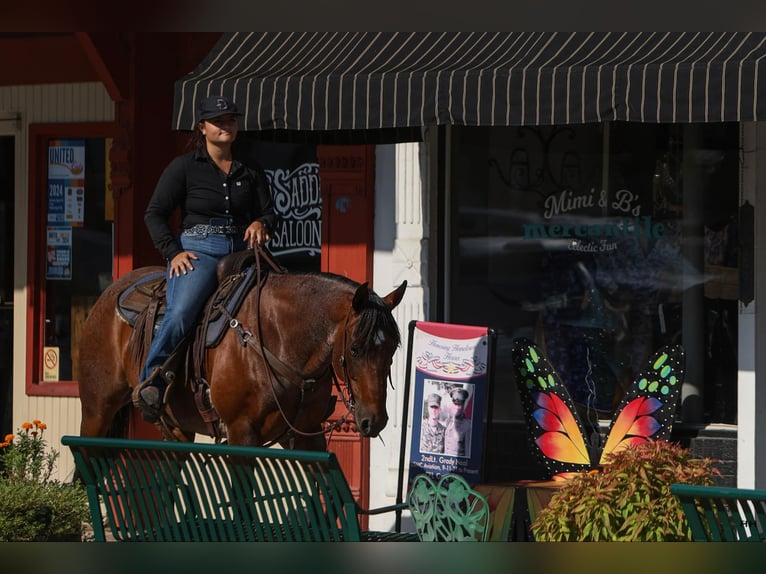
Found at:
<point>225,207</point>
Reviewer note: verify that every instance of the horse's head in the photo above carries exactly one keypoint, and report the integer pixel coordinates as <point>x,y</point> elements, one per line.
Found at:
<point>370,338</point>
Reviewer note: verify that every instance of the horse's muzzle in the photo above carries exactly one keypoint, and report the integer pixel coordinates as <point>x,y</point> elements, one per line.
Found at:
<point>370,426</point>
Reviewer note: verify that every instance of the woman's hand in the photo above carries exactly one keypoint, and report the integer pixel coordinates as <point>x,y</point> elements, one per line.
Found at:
<point>256,233</point>
<point>182,263</point>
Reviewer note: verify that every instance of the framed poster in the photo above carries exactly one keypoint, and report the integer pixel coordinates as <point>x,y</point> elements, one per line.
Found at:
<point>450,366</point>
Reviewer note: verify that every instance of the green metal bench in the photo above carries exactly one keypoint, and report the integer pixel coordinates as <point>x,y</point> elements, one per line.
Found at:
<point>171,491</point>
<point>723,514</point>
<point>448,510</point>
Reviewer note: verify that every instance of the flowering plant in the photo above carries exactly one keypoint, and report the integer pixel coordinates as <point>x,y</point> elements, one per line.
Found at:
<point>33,506</point>
<point>628,500</point>
<point>23,456</point>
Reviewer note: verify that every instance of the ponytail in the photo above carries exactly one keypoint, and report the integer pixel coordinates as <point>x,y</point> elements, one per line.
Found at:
<point>196,141</point>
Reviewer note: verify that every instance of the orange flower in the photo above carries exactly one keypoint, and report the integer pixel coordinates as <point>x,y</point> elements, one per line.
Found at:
<point>37,422</point>
<point>4,444</point>
<point>42,426</point>
<point>8,439</point>
<point>26,425</point>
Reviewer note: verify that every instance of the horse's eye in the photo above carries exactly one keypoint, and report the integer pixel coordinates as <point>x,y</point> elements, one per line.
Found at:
<point>354,351</point>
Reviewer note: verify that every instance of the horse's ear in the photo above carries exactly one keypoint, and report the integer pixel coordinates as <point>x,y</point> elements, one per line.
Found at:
<point>361,297</point>
<point>395,297</point>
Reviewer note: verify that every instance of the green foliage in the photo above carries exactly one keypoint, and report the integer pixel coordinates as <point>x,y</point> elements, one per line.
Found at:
<point>629,500</point>
<point>33,507</point>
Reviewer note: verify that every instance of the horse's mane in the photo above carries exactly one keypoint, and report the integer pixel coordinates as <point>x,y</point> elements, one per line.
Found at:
<point>375,316</point>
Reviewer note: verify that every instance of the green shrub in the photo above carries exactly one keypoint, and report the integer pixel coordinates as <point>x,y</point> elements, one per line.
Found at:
<point>33,507</point>
<point>628,500</point>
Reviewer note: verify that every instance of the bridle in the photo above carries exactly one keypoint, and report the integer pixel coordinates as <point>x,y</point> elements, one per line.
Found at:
<point>274,364</point>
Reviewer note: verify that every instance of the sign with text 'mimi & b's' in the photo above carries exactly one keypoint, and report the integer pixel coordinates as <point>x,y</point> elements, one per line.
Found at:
<point>451,367</point>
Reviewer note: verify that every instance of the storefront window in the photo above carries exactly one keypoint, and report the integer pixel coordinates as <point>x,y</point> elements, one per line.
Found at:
<point>73,220</point>
<point>602,242</point>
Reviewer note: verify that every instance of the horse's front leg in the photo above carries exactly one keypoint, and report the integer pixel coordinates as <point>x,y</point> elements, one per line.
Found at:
<point>241,432</point>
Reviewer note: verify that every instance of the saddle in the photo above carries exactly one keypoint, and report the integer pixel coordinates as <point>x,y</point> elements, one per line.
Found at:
<point>142,306</point>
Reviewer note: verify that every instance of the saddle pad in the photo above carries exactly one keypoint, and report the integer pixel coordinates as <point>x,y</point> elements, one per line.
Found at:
<point>136,296</point>
<point>229,295</point>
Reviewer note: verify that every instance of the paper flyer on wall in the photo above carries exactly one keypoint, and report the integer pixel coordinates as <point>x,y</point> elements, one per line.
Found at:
<point>66,182</point>
<point>59,253</point>
<point>451,373</point>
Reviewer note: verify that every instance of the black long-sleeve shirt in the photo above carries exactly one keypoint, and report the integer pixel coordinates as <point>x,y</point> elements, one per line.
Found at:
<point>195,184</point>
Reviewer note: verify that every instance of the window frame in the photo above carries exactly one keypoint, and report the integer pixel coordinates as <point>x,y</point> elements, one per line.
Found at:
<point>39,137</point>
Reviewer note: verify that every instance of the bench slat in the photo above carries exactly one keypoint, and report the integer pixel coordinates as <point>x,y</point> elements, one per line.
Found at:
<point>723,514</point>
<point>166,491</point>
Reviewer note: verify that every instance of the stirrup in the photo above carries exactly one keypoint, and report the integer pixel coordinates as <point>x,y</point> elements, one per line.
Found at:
<point>144,398</point>
<point>151,403</point>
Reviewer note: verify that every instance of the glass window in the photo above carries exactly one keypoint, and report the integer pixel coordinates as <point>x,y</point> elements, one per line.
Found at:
<point>73,228</point>
<point>601,242</point>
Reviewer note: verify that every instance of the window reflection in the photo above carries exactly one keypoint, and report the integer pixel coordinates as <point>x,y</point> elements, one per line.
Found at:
<point>601,242</point>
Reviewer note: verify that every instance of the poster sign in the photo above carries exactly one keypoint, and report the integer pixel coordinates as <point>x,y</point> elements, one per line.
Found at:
<point>451,367</point>
<point>59,253</point>
<point>66,182</point>
<point>293,174</point>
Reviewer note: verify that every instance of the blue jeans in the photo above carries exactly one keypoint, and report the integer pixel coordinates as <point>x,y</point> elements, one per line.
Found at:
<point>187,294</point>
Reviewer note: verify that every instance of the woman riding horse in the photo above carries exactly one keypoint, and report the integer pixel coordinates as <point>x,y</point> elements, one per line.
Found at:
<point>225,207</point>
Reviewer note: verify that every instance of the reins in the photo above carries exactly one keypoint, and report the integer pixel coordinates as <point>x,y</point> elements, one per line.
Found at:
<point>273,363</point>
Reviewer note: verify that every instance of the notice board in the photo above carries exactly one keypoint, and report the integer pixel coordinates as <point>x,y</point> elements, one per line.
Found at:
<point>449,369</point>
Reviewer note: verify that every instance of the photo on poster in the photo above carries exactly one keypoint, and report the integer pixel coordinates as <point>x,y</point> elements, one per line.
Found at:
<point>446,423</point>
<point>457,436</point>
<point>433,422</point>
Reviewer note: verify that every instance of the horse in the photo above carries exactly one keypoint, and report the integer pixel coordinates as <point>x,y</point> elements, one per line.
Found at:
<point>271,376</point>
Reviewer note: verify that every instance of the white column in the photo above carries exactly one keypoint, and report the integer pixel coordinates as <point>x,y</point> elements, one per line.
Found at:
<point>751,384</point>
<point>401,253</point>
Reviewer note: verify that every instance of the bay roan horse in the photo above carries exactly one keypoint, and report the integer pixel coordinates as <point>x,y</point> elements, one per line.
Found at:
<point>320,325</point>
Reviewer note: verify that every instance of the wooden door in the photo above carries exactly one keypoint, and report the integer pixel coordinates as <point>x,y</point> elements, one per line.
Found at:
<point>347,177</point>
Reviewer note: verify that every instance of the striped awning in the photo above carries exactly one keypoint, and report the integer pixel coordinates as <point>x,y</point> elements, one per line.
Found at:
<point>358,81</point>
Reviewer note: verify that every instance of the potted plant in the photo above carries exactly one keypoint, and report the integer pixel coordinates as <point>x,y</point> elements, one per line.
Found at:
<point>629,499</point>
<point>34,506</point>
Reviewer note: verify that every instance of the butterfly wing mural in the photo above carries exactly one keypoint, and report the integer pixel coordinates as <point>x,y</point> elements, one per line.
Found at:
<point>555,430</point>
<point>647,410</point>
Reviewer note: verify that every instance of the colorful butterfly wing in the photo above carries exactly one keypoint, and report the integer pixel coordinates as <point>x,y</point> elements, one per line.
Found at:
<point>555,430</point>
<point>647,410</point>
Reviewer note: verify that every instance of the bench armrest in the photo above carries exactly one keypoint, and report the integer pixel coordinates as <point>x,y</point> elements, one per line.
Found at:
<point>381,510</point>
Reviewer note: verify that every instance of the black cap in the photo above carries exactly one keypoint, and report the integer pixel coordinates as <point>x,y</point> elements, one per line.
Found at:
<point>458,395</point>
<point>214,106</point>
